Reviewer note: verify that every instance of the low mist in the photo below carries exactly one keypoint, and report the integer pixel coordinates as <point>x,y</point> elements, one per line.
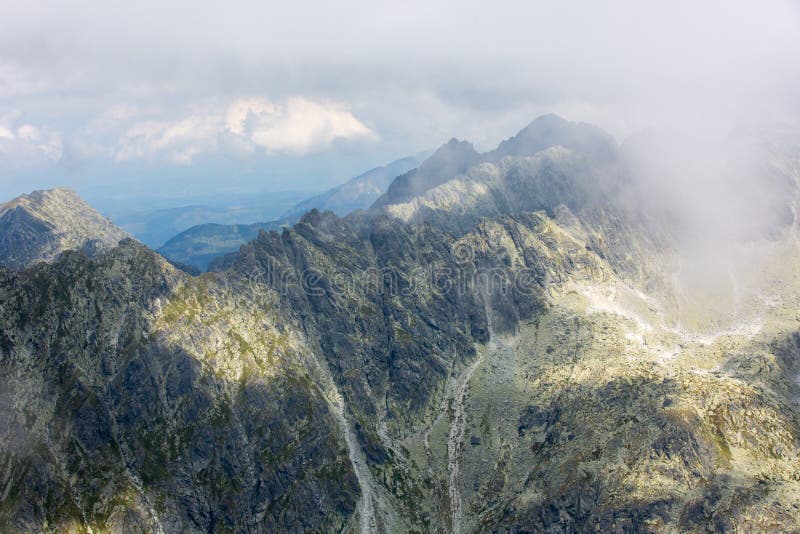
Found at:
<point>729,204</point>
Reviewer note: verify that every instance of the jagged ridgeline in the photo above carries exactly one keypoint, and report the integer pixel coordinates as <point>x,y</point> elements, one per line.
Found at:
<point>513,341</point>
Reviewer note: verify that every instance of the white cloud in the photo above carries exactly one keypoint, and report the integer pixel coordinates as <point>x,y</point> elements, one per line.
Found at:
<point>117,114</point>
<point>421,72</point>
<point>240,111</point>
<point>26,145</point>
<point>177,141</point>
<point>297,126</point>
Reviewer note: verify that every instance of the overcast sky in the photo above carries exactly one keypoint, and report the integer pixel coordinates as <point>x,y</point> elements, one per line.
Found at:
<point>301,95</point>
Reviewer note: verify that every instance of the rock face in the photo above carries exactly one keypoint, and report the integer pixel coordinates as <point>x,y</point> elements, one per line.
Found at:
<point>138,398</point>
<point>513,349</point>
<point>40,226</point>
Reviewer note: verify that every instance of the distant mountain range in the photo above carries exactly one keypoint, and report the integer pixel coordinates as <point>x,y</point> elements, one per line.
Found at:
<point>155,227</point>
<point>201,244</point>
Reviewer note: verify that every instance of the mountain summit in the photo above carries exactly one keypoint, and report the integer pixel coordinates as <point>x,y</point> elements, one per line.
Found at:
<point>551,130</point>
<point>41,225</point>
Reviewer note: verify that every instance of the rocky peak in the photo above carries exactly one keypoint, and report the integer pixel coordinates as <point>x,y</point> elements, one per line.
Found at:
<point>41,200</point>
<point>455,158</point>
<point>551,130</point>
<point>41,225</point>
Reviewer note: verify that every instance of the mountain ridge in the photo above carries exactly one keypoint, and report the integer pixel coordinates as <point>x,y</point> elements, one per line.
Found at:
<point>525,358</point>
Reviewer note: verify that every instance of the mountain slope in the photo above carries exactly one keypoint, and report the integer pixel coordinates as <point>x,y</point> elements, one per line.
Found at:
<point>40,226</point>
<point>153,401</point>
<point>542,362</point>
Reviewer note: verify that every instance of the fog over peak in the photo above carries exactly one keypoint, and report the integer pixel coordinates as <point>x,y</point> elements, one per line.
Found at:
<point>136,92</point>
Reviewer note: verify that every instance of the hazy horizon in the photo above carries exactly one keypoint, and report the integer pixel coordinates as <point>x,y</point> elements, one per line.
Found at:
<point>209,98</point>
